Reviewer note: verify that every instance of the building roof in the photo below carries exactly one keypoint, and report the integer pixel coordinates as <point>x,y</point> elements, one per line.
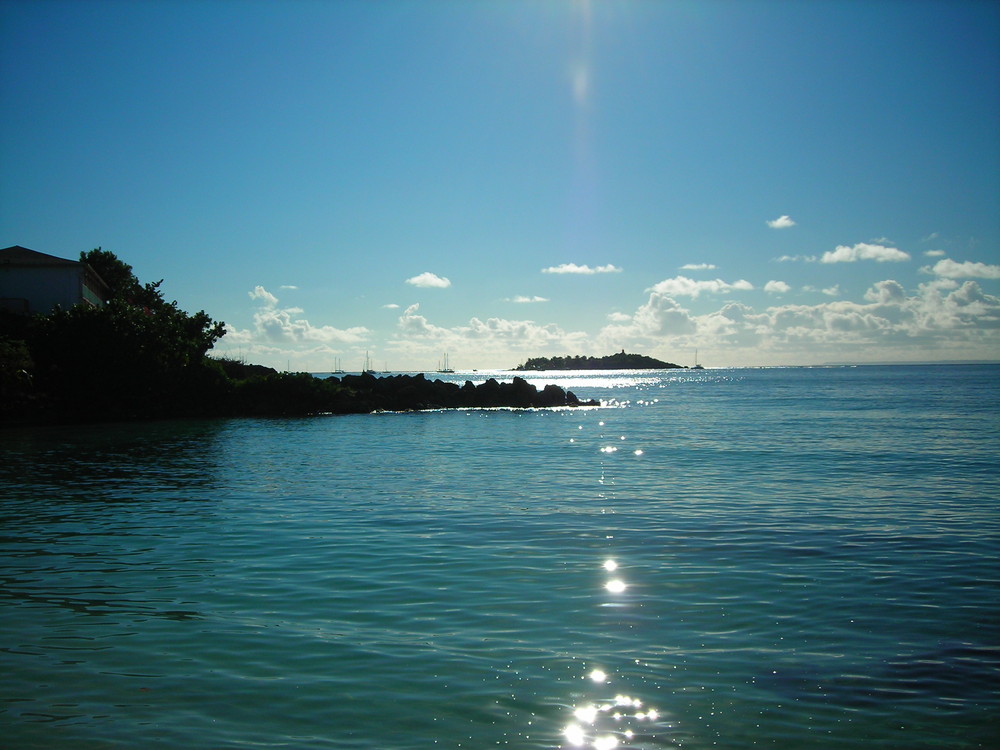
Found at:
<point>22,256</point>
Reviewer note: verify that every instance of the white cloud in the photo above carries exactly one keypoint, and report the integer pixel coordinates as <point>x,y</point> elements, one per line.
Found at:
<point>584,269</point>
<point>495,340</point>
<point>288,286</point>
<point>951,269</point>
<point>782,222</point>
<point>698,267</point>
<point>885,292</point>
<point>942,319</point>
<point>685,287</point>
<point>260,293</point>
<point>776,287</point>
<point>522,299</point>
<point>284,326</point>
<point>414,324</point>
<point>390,306</point>
<point>796,258</point>
<point>830,291</point>
<point>863,251</point>
<point>934,253</point>
<point>428,280</point>
<point>660,316</point>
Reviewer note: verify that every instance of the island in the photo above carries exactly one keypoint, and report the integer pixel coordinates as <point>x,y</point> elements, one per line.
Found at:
<point>618,361</point>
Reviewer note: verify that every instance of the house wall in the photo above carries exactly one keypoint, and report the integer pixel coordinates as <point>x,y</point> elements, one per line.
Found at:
<point>90,291</point>
<point>42,287</point>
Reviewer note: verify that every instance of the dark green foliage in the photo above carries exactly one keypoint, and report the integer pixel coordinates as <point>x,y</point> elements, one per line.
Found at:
<point>141,357</point>
<point>137,356</point>
<point>619,361</point>
<point>239,370</point>
<point>16,368</point>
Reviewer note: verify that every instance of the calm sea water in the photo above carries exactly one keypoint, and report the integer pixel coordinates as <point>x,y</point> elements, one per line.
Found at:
<point>786,558</point>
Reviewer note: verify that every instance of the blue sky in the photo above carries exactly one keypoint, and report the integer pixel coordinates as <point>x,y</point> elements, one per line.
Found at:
<point>768,182</point>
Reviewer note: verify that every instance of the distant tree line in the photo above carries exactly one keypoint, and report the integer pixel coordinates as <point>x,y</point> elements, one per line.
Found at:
<point>619,361</point>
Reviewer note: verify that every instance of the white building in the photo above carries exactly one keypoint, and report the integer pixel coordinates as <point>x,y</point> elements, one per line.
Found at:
<point>33,282</point>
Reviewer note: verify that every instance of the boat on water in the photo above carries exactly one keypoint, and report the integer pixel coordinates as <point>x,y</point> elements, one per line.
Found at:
<point>443,366</point>
<point>368,369</point>
<point>696,365</point>
<point>337,369</point>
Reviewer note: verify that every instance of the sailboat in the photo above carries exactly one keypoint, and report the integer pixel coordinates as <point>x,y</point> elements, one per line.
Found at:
<point>337,369</point>
<point>368,365</point>
<point>696,365</point>
<point>444,367</point>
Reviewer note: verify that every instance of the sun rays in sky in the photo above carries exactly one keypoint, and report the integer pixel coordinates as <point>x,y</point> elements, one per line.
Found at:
<point>770,183</point>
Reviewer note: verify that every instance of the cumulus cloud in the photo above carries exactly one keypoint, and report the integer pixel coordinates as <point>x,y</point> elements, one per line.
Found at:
<point>832,291</point>
<point>943,318</point>
<point>284,326</point>
<point>886,292</point>
<point>684,287</point>
<point>273,325</point>
<point>864,251</point>
<point>951,269</point>
<point>937,314</point>
<point>698,267</point>
<point>660,316</point>
<point>584,269</point>
<point>777,287</point>
<point>522,299</point>
<point>428,280</point>
<point>260,293</point>
<point>782,222</point>
<point>415,324</point>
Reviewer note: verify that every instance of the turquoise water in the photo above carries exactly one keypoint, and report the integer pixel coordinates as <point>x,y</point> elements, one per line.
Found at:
<point>787,558</point>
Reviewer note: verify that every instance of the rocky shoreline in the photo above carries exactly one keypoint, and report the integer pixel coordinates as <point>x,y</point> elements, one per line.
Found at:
<point>287,394</point>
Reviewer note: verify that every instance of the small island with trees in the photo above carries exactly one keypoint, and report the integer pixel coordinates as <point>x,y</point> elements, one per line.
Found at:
<point>618,361</point>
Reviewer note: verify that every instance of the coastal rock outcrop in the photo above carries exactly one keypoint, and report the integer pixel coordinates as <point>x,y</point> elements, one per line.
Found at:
<point>416,392</point>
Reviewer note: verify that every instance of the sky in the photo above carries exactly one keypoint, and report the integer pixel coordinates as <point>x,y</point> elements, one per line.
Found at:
<point>768,183</point>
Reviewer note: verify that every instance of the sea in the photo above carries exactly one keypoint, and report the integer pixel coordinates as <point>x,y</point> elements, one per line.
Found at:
<point>720,558</point>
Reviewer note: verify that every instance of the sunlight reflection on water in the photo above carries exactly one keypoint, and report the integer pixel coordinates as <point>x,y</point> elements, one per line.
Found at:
<point>583,379</point>
<point>605,722</point>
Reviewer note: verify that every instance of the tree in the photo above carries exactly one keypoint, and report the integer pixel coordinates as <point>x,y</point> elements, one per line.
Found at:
<point>136,356</point>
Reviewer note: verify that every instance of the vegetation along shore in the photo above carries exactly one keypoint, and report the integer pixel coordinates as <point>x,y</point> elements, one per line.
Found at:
<point>137,356</point>
<point>619,361</point>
